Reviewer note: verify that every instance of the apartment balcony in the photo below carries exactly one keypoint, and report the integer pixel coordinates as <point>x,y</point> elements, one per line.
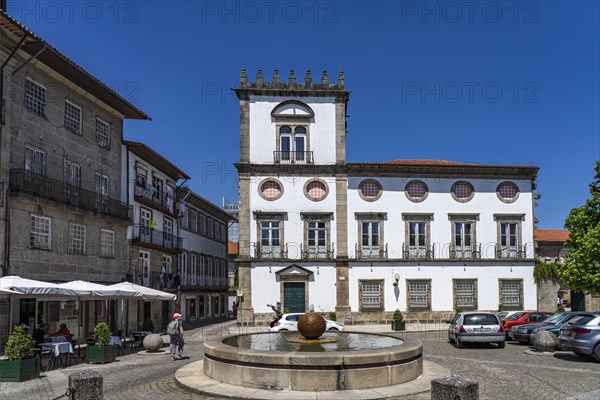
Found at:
<point>417,252</point>
<point>23,181</point>
<point>511,252</point>
<point>318,252</point>
<point>154,197</point>
<point>293,157</point>
<point>269,252</point>
<point>371,252</point>
<point>465,252</point>
<point>145,235</point>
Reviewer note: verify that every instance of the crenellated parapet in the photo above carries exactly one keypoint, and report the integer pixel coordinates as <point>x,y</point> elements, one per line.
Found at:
<point>292,86</point>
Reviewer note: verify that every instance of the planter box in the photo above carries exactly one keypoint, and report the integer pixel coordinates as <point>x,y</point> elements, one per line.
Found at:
<point>19,370</point>
<point>100,354</point>
<point>398,325</point>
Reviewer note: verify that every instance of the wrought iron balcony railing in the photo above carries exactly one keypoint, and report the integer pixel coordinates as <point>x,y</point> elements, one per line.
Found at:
<point>23,181</point>
<point>463,252</point>
<point>418,252</point>
<point>269,252</point>
<point>146,234</point>
<point>316,252</point>
<point>511,251</point>
<point>371,251</point>
<point>158,197</point>
<point>293,157</point>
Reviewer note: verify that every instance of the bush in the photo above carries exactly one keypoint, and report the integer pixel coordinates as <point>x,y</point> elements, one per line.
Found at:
<point>458,309</point>
<point>500,307</point>
<point>148,325</point>
<point>332,316</point>
<point>102,334</point>
<point>19,344</point>
<point>560,309</point>
<point>398,315</point>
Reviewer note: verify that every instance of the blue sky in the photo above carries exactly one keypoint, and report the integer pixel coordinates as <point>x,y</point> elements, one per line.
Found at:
<point>500,82</point>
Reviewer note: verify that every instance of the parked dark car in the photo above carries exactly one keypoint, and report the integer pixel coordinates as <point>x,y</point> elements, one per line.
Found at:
<point>476,327</point>
<point>581,335</point>
<point>523,333</point>
<point>524,317</point>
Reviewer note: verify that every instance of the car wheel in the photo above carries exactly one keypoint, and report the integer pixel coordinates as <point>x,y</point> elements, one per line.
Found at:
<point>333,329</point>
<point>502,345</point>
<point>459,344</point>
<point>597,352</point>
<point>450,340</point>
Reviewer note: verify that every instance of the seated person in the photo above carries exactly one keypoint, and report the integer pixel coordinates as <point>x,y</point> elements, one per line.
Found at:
<point>63,331</point>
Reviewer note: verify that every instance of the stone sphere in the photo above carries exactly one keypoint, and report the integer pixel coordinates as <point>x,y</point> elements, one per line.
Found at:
<point>311,325</point>
<point>544,341</point>
<point>152,342</point>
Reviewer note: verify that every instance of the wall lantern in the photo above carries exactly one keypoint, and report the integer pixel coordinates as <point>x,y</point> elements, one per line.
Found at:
<point>396,279</point>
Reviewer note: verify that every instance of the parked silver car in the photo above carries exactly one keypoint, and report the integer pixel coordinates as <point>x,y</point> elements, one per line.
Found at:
<point>476,327</point>
<point>581,335</point>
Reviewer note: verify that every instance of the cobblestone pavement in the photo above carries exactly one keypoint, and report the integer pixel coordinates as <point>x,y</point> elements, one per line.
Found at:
<point>501,373</point>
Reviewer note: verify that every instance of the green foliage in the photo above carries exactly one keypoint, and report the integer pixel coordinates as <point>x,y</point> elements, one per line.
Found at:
<point>102,334</point>
<point>500,307</point>
<point>148,325</point>
<point>236,281</point>
<point>332,316</point>
<point>286,310</point>
<point>560,309</point>
<point>398,315</point>
<point>543,272</point>
<point>19,344</point>
<point>458,309</point>
<point>581,270</point>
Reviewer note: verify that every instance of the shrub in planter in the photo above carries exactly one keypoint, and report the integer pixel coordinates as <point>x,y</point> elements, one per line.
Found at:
<point>21,365</point>
<point>102,352</point>
<point>398,323</point>
<point>148,325</point>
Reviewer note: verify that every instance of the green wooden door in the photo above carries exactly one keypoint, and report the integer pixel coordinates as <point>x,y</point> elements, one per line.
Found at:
<point>577,301</point>
<point>293,297</point>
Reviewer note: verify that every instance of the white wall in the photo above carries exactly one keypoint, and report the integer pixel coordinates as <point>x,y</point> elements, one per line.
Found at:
<point>263,132</point>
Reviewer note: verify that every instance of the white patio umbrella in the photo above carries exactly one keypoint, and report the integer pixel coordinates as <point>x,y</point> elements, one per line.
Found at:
<point>33,288</point>
<point>147,294</point>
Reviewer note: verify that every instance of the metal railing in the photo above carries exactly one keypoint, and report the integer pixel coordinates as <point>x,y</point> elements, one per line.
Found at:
<point>23,181</point>
<point>418,252</point>
<point>269,252</point>
<point>511,252</point>
<point>146,234</point>
<point>293,157</point>
<point>158,197</point>
<point>318,252</point>
<point>463,252</point>
<point>371,251</point>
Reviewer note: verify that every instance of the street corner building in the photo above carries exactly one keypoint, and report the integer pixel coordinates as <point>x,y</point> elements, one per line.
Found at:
<point>364,239</point>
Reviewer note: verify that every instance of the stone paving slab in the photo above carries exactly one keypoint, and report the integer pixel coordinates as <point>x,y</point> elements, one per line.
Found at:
<point>192,377</point>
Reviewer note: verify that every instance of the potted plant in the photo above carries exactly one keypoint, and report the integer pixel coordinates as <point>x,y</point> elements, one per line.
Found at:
<point>22,364</point>
<point>398,323</point>
<point>102,352</point>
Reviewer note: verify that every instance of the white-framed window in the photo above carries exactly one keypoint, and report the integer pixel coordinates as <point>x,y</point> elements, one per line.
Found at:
<point>73,117</point>
<point>463,237</point>
<point>317,238</point>
<point>193,271</point>
<point>168,231</point>
<point>217,234</point>
<point>223,233</point>
<point>371,296</point>
<point>465,293</point>
<point>141,175</point>
<point>370,238</point>
<point>107,243</point>
<point>203,270</point>
<point>102,133</point>
<point>72,173</point>
<point>35,97</point>
<point>209,228</point>
<point>144,262</point>
<point>509,239</point>
<point>76,238</point>
<point>102,184</point>
<point>40,232</point>
<point>292,144</point>
<point>35,160</point>
<point>419,294</point>
<point>157,189</point>
<point>201,224</point>
<point>417,239</point>
<point>193,220</point>
<point>511,293</point>
<point>270,235</point>
<point>168,263</point>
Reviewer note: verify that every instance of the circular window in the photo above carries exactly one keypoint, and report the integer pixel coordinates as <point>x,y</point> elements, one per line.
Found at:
<point>462,191</point>
<point>270,189</point>
<point>507,192</point>
<point>370,190</point>
<point>416,191</point>
<point>316,190</point>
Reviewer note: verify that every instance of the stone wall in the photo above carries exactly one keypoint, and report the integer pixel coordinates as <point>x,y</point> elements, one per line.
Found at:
<point>547,295</point>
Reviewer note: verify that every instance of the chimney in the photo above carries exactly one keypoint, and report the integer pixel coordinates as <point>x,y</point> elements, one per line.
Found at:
<point>243,77</point>
<point>292,78</point>
<point>341,79</point>
<point>308,78</point>
<point>325,78</point>
<point>259,77</point>
<point>276,76</point>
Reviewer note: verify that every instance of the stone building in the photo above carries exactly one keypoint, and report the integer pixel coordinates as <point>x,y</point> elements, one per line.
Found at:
<point>60,178</point>
<point>364,239</point>
<point>150,186</point>
<point>203,259</point>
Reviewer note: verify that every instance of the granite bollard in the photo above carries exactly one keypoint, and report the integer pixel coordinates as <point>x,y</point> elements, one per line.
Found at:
<point>454,388</point>
<point>544,341</point>
<point>86,385</point>
<point>152,342</point>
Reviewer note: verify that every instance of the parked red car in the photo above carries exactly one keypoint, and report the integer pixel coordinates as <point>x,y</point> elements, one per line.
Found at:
<point>524,317</point>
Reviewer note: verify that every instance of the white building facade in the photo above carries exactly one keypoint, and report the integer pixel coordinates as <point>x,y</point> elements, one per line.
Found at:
<point>364,239</point>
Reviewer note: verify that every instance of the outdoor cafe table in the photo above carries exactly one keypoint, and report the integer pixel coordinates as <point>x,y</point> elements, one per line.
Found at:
<point>57,348</point>
<point>138,336</point>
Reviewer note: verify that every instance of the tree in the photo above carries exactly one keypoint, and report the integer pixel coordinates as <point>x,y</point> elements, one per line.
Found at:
<point>581,270</point>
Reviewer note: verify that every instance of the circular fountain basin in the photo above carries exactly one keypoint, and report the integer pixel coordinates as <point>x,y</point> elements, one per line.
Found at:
<point>354,361</point>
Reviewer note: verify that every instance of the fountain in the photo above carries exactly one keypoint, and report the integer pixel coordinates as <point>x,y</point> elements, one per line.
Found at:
<point>318,362</point>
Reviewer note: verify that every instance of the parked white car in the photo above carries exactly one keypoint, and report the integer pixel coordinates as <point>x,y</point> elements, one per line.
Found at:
<point>289,322</point>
